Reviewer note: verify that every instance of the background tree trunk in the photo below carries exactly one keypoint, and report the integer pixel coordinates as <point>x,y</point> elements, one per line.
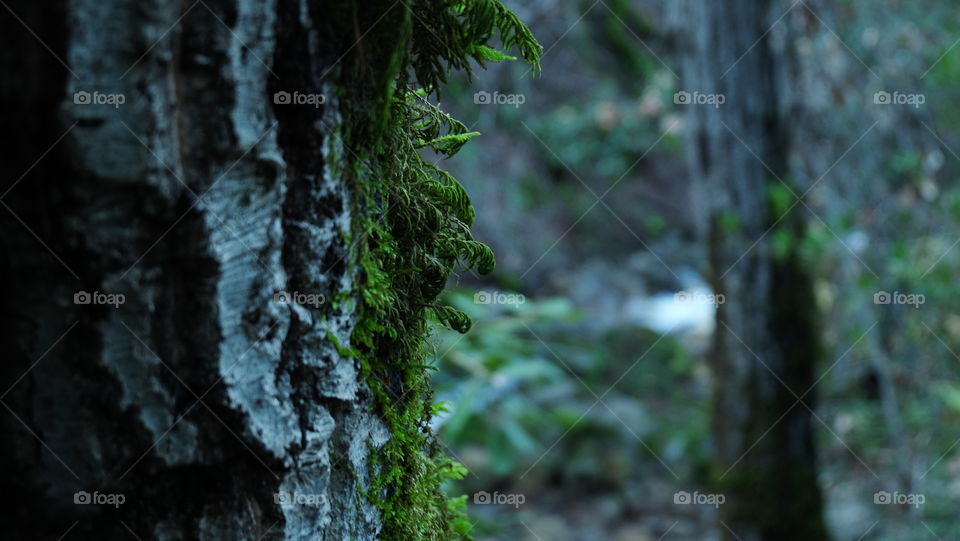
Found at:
<point>199,398</point>
<point>766,342</point>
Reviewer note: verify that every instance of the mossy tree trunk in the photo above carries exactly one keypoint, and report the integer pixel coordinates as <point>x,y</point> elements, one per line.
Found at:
<point>200,398</point>
<point>766,342</point>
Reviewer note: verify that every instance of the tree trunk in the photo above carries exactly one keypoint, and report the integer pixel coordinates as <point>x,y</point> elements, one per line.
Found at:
<point>200,399</point>
<point>765,343</point>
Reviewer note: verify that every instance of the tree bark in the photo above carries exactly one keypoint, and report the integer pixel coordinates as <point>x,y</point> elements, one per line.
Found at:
<point>766,342</point>
<point>200,398</point>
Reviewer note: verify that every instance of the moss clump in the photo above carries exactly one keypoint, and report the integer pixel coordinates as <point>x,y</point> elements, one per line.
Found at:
<point>411,229</point>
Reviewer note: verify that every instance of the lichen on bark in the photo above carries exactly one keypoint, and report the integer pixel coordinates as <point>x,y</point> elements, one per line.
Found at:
<point>202,398</point>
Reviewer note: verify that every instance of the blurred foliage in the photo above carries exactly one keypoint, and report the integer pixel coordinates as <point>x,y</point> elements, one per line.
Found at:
<point>497,379</point>
<point>525,377</point>
<point>604,137</point>
<point>883,215</point>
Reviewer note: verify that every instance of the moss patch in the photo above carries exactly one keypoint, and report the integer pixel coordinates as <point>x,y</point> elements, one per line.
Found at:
<point>411,230</point>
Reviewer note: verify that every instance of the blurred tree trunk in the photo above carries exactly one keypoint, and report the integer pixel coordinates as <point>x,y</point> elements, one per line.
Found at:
<point>766,341</point>
<point>199,398</point>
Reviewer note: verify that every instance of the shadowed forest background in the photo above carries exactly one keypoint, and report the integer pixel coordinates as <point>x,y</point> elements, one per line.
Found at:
<point>723,306</point>
<point>584,192</point>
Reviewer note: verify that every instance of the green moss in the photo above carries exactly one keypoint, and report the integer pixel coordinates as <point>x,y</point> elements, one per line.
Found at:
<point>411,224</point>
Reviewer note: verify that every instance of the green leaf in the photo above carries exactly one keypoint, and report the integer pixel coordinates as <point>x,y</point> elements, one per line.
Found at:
<point>950,394</point>
<point>449,144</point>
<point>484,53</point>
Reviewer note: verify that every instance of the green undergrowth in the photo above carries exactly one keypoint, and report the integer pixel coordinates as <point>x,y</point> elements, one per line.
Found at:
<point>411,229</point>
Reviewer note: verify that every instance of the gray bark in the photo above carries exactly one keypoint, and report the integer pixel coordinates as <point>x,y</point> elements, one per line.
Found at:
<point>199,398</point>
<point>765,343</point>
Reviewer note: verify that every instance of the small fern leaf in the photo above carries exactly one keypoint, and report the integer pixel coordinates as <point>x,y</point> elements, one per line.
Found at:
<point>488,54</point>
